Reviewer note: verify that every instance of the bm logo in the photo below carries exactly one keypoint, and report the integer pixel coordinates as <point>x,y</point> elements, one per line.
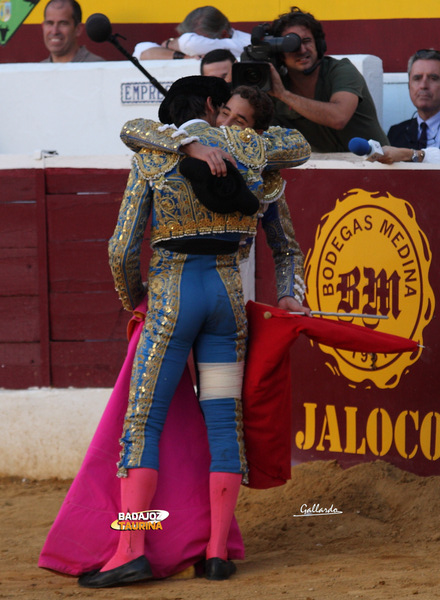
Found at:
<point>371,257</point>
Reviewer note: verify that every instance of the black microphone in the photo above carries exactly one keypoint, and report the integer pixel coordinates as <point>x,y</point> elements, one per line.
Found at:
<point>310,70</point>
<point>371,149</point>
<point>98,27</point>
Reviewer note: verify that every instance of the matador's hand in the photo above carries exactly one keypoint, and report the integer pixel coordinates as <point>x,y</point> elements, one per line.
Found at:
<point>215,157</point>
<point>293,305</point>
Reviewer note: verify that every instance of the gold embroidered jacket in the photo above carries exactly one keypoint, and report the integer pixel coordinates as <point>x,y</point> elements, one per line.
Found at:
<point>155,186</point>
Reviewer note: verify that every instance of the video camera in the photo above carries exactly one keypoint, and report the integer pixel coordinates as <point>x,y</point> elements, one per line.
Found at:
<point>253,68</point>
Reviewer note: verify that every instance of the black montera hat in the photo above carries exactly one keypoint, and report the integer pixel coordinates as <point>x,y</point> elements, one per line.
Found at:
<point>195,85</point>
<point>219,194</point>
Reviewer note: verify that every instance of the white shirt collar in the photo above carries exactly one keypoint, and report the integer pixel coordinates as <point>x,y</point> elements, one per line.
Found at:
<point>191,121</point>
<point>432,122</point>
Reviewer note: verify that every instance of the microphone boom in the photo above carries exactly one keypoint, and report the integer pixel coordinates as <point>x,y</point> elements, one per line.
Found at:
<point>99,29</point>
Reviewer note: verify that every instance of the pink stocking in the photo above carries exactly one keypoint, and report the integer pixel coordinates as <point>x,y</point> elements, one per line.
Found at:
<point>137,491</point>
<point>223,491</point>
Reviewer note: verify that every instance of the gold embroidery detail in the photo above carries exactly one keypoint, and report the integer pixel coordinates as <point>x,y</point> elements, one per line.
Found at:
<point>273,185</point>
<point>232,281</point>
<point>287,254</point>
<point>163,306</point>
<point>285,147</point>
<point>245,135</point>
<point>178,213</point>
<point>155,164</point>
<point>144,133</point>
<point>252,154</point>
<point>129,231</point>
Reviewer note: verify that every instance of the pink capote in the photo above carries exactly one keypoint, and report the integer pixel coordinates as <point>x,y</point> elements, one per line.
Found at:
<point>81,539</point>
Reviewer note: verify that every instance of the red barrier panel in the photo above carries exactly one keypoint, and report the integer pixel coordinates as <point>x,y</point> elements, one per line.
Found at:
<point>371,241</point>
<point>370,237</point>
<point>62,323</point>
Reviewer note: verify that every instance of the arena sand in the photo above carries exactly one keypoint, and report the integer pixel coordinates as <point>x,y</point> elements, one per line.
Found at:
<point>383,544</point>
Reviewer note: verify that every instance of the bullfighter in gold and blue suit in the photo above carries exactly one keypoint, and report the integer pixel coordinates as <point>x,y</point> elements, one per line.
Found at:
<point>195,300</point>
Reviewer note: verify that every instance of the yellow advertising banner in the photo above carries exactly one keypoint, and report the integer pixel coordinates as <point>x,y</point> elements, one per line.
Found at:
<point>133,11</point>
<point>371,257</point>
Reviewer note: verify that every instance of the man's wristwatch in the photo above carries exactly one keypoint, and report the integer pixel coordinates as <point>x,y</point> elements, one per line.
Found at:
<point>418,156</point>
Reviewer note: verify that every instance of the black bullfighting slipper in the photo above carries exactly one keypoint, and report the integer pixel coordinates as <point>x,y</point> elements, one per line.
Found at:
<point>217,569</point>
<point>220,194</point>
<point>136,570</point>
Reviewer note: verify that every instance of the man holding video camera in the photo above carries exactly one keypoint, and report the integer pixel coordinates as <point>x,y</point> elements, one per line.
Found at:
<point>326,99</point>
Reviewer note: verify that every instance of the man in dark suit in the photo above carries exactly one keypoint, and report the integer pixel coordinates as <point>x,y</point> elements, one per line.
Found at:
<point>418,139</point>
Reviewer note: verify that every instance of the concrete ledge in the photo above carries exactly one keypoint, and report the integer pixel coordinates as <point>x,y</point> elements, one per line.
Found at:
<point>45,432</point>
<point>333,160</point>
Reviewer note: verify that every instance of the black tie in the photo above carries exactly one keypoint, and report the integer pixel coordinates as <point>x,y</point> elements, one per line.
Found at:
<point>423,139</point>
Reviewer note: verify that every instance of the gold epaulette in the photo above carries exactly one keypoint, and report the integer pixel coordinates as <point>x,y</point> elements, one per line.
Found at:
<point>285,147</point>
<point>145,133</point>
<point>246,146</point>
<point>154,164</point>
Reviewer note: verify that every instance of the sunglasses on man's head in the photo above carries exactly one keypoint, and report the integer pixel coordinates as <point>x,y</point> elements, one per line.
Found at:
<point>427,51</point>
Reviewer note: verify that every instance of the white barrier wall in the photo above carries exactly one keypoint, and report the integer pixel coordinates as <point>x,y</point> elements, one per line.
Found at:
<point>397,104</point>
<point>372,70</point>
<point>79,108</point>
<point>52,439</point>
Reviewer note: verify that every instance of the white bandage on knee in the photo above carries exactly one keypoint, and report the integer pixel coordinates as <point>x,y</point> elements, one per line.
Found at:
<point>220,380</point>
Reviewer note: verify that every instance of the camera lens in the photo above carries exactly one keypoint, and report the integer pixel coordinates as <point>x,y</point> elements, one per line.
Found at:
<point>252,75</point>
